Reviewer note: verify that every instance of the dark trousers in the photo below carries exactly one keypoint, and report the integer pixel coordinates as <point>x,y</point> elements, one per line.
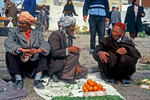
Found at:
<point>97,25</point>
<point>120,68</point>
<point>16,66</point>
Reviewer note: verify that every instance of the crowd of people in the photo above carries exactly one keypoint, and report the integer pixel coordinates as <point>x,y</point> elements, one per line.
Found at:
<point>28,54</point>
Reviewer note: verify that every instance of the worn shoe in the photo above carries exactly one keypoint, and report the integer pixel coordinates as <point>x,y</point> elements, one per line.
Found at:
<point>55,78</point>
<point>38,84</point>
<point>91,51</point>
<point>70,81</point>
<point>18,84</point>
<point>126,81</point>
<point>110,80</point>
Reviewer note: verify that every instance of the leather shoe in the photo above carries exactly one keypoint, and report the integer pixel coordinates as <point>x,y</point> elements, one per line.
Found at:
<point>110,80</point>
<point>126,81</point>
<point>18,84</point>
<point>55,78</point>
<point>70,81</point>
<point>38,84</point>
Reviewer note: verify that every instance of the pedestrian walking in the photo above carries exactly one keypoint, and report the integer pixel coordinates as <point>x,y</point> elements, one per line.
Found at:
<point>133,19</point>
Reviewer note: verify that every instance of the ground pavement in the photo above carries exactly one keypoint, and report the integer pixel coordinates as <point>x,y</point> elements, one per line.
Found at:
<point>132,92</point>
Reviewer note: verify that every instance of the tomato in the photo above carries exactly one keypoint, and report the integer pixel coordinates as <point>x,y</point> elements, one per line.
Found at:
<point>89,81</point>
<point>94,82</point>
<point>91,84</point>
<point>100,86</point>
<point>95,88</point>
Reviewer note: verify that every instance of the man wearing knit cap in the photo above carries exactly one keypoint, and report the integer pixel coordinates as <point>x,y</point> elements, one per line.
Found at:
<point>64,56</point>
<point>117,56</point>
<point>26,52</point>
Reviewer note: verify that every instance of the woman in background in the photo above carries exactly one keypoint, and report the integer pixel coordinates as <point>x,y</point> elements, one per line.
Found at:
<point>133,19</point>
<point>69,9</point>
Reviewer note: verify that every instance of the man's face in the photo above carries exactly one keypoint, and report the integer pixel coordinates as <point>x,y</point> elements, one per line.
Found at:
<point>137,2</point>
<point>44,7</point>
<point>116,33</point>
<point>23,26</point>
<point>70,30</point>
<point>113,9</point>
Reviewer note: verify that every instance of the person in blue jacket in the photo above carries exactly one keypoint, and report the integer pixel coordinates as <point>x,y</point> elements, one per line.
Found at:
<point>98,11</point>
<point>30,6</point>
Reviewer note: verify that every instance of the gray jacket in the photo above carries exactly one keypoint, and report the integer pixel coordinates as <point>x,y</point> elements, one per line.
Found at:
<point>17,39</point>
<point>115,17</point>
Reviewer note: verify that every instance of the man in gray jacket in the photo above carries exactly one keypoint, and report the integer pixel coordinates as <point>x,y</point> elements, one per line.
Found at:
<point>26,51</point>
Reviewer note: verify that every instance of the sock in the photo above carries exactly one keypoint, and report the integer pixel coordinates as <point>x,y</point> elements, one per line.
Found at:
<point>38,76</point>
<point>18,77</point>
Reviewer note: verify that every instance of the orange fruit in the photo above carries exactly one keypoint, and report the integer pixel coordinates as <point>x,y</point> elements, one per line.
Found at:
<point>91,84</point>
<point>85,90</point>
<point>100,86</point>
<point>95,88</point>
<point>90,88</point>
<point>86,85</point>
<point>89,81</point>
<point>83,87</point>
<point>94,82</point>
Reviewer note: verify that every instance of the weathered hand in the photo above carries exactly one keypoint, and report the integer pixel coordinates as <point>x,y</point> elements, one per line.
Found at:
<point>121,51</point>
<point>142,14</point>
<point>74,49</point>
<point>85,18</point>
<point>106,20</point>
<point>34,51</point>
<point>78,69</point>
<point>103,56</point>
<point>24,50</point>
<point>27,54</point>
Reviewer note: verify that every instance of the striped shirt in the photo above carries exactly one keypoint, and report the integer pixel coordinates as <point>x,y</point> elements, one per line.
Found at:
<point>96,7</point>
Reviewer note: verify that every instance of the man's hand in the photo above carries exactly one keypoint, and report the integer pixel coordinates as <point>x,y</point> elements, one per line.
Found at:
<point>74,49</point>
<point>85,18</point>
<point>78,69</point>
<point>30,51</point>
<point>24,50</point>
<point>27,54</point>
<point>142,14</point>
<point>103,56</point>
<point>35,51</point>
<point>121,51</point>
<point>106,20</point>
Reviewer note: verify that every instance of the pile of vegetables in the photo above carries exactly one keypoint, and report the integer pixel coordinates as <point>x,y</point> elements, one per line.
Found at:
<point>108,97</point>
<point>92,86</point>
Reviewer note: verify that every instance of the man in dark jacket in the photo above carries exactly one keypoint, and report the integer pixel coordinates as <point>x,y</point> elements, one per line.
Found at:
<point>64,58</point>
<point>133,19</point>
<point>30,6</point>
<point>98,13</point>
<point>117,56</point>
<point>26,51</point>
<point>11,11</point>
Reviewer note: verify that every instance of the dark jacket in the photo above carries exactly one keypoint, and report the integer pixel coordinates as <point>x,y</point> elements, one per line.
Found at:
<point>58,55</point>
<point>30,6</point>
<point>118,66</point>
<point>69,10</point>
<point>130,19</point>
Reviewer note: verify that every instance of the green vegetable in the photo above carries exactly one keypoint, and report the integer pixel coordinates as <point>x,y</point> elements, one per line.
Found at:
<point>108,97</point>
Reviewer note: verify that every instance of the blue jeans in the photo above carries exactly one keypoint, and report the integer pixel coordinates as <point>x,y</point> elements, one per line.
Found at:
<point>96,25</point>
